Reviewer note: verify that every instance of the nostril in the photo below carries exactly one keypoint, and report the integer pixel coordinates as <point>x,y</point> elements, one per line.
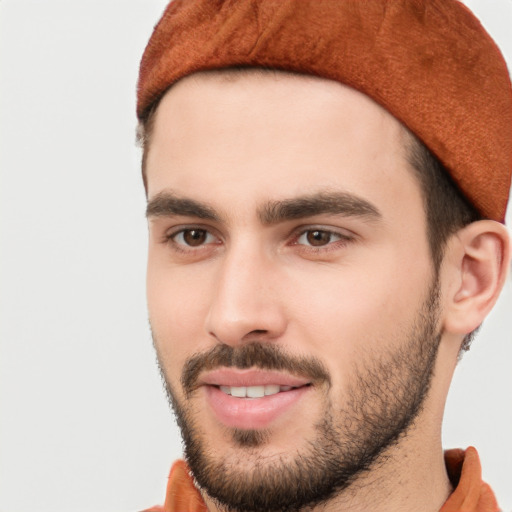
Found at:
<point>256,335</point>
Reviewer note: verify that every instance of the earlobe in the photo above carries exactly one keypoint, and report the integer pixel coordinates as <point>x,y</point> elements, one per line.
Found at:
<point>480,258</point>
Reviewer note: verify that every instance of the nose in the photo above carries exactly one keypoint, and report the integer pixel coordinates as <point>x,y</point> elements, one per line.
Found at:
<point>245,304</point>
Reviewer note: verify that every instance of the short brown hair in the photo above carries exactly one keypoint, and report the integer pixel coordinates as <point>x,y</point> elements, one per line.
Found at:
<point>446,208</point>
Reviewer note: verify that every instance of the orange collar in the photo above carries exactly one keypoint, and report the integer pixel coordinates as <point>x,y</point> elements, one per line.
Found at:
<point>470,494</point>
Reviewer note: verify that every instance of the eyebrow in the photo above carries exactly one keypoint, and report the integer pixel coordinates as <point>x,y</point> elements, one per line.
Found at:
<point>336,203</point>
<point>166,204</point>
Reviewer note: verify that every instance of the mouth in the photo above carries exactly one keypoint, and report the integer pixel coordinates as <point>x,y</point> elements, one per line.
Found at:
<point>252,399</point>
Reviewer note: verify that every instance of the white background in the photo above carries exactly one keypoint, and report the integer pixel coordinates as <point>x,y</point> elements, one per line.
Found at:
<point>84,425</point>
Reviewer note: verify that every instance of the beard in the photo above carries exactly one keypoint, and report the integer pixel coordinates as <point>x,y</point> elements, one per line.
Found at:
<point>385,396</point>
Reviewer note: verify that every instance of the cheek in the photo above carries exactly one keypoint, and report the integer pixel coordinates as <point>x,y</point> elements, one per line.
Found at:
<point>356,311</point>
<point>177,305</point>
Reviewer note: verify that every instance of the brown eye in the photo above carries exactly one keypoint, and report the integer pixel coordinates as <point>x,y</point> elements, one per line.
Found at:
<point>318,238</point>
<point>194,237</point>
<point>192,240</point>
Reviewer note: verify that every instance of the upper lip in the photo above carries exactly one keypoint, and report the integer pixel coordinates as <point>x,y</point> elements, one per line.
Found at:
<point>250,377</point>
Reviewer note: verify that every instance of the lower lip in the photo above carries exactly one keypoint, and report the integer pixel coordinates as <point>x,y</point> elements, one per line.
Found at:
<point>252,413</point>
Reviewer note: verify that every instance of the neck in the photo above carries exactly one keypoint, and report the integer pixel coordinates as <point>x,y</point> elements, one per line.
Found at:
<point>412,478</point>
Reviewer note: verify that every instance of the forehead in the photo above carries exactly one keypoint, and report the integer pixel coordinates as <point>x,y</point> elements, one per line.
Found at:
<point>254,136</point>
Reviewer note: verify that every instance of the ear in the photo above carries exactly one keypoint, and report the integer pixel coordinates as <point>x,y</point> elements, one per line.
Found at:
<point>477,258</point>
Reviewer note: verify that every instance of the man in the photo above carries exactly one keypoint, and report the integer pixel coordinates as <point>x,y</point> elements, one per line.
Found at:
<point>326,184</point>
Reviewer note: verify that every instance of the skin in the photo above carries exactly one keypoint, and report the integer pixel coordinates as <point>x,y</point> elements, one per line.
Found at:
<point>233,146</point>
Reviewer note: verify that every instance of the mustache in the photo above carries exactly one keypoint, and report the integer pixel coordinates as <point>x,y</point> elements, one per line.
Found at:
<point>258,355</point>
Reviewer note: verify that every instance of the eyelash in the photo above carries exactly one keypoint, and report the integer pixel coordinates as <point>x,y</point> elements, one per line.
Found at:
<point>342,239</point>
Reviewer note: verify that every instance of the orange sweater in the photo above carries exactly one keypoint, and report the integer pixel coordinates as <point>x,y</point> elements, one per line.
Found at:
<point>464,470</point>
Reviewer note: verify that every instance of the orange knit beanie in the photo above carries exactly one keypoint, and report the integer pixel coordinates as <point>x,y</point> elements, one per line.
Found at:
<point>428,62</point>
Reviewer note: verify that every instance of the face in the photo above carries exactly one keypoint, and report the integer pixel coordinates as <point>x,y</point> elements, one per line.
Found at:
<point>290,288</point>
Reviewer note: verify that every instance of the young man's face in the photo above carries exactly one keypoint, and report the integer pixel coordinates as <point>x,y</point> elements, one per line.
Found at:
<point>288,258</point>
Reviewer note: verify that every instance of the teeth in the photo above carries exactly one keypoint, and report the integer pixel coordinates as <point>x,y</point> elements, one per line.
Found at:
<point>272,389</point>
<point>239,392</point>
<point>254,391</point>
